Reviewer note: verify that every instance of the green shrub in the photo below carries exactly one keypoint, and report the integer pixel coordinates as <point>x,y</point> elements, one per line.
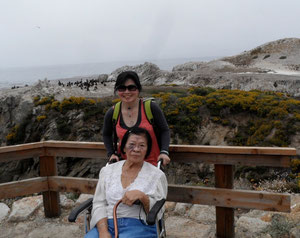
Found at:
<point>280,226</point>
<point>201,91</point>
<point>63,128</point>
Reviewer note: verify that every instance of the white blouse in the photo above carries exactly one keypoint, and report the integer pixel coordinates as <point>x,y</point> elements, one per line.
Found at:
<point>150,180</point>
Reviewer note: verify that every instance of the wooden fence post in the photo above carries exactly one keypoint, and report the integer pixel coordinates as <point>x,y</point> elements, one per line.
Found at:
<point>48,167</point>
<point>224,216</point>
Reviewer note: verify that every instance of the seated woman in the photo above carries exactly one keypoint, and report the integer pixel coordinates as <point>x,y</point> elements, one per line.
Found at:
<point>130,180</point>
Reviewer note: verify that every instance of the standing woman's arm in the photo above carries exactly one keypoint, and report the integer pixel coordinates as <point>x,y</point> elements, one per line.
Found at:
<point>108,132</point>
<point>162,125</point>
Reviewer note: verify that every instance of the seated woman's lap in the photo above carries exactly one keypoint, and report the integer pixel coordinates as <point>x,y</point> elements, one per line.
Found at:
<point>128,228</point>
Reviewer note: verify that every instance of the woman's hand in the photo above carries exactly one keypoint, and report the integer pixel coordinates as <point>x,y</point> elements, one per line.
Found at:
<point>166,159</point>
<point>113,156</point>
<point>131,196</point>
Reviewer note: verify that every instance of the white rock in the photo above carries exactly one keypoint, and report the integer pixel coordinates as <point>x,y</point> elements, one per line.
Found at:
<point>182,208</point>
<point>24,208</point>
<point>203,214</point>
<point>4,210</point>
<point>66,202</point>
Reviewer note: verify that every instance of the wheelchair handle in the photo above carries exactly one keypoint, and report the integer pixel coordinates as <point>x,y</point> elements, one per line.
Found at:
<point>160,165</point>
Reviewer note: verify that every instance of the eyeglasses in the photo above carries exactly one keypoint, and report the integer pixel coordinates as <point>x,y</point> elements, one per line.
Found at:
<point>122,88</point>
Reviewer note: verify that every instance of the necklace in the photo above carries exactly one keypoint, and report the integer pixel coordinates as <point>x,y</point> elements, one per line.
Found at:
<point>129,112</point>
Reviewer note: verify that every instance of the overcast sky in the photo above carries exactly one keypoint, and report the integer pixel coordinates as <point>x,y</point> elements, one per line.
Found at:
<point>53,32</point>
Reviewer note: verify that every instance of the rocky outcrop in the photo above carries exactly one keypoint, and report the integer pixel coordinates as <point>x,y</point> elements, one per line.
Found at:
<point>279,55</point>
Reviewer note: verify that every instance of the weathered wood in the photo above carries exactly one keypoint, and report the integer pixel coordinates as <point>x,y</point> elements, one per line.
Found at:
<point>24,187</point>
<point>74,144</point>
<point>48,167</point>
<point>76,152</point>
<point>22,147</point>
<point>70,184</point>
<point>234,150</point>
<point>224,215</point>
<point>20,154</point>
<point>191,194</point>
<point>235,155</point>
<point>232,198</point>
<point>231,159</point>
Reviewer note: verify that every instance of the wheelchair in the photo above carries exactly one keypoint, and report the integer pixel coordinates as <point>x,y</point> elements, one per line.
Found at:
<point>151,219</point>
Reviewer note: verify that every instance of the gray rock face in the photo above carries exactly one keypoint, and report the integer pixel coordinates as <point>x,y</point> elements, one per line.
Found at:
<point>250,227</point>
<point>147,72</point>
<point>4,210</point>
<point>189,66</point>
<point>178,227</point>
<point>202,214</point>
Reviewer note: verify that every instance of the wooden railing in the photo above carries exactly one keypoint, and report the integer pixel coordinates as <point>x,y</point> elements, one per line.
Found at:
<point>223,195</point>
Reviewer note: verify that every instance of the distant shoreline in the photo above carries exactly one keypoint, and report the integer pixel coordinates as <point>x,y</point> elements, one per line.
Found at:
<point>20,76</point>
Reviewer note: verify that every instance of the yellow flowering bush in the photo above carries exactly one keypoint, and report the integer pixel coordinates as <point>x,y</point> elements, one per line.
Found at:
<point>41,118</point>
<point>55,105</point>
<point>13,134</point>
<point>43,101</point>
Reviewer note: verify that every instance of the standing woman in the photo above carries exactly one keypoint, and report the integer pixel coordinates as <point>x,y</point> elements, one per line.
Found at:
<point>132,114</point>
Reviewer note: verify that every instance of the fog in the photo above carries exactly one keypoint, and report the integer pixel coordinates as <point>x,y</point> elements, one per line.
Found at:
<point>56,32</point>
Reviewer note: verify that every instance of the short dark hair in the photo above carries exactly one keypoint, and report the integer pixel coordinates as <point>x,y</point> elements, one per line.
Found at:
<point>124,76</point>
<point>137,131</point>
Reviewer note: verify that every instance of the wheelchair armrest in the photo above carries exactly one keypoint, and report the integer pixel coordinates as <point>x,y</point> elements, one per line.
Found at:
<point>151,217</point>
<point>76,211</point>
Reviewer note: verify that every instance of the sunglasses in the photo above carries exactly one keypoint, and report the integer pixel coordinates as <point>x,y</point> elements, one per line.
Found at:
<point>122,88</point>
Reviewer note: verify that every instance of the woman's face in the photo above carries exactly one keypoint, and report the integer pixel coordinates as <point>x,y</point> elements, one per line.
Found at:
<point>136,148</point>
<point>129,95</point>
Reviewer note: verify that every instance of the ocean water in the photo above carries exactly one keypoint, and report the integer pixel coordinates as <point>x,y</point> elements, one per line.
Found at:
<point>22,76</point>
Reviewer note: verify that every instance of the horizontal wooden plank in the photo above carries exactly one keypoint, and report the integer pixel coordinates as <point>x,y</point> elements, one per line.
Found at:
<point>74,144</point>
<point>21,147</point>
<point>76,152</point>
<point>71,184</point>
<point>20,154</point>
<point>192,194</point>
<point>235,155</point>
<point>233,159</point>
<point>173,148</point>
<point>23,187</point>
<point>230,198</point>
<point>234,150</point>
